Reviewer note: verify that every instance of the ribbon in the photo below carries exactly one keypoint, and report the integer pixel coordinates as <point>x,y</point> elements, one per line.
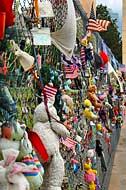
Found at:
<point>36,7</point>
<point>10,165</point>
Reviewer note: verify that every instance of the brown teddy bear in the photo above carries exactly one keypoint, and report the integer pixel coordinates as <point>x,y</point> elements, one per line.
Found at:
<point>93,97</point>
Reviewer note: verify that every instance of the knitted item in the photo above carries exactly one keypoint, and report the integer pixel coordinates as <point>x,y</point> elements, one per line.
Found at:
<point>83,57</point>
<point>34,177</point>
<point>37,163</point>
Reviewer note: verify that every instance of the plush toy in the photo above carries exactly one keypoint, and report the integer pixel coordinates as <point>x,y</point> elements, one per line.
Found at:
<point>49,135</point>
<point>68,89</point>
<point>13,135</point>
<point>90,153</point>
<point>11,173</point>
<point>93,97</point>
<point>90,174</point>
<point>69,102</point>
<point>92,186</point>
<point>88,111</point>
<point>99,127</point>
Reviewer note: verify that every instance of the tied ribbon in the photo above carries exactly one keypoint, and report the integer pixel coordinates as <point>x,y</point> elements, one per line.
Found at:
<point>36,7</point>
<point>9,164</point>
<point>17,169</point>
<point>3,70</point>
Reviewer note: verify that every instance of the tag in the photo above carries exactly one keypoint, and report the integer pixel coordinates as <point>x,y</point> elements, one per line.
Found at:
<point>41,36</point>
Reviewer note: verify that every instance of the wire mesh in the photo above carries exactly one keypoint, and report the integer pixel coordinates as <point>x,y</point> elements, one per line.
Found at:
<point>25,94</point>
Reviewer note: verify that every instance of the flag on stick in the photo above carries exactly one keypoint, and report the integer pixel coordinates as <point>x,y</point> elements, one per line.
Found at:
<point>69,143</point>
<point>96,25</point>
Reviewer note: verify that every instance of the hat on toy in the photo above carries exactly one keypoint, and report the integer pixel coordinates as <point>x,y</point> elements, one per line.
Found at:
<point>49,91</point>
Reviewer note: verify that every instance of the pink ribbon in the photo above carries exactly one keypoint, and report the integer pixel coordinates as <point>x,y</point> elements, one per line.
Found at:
<point>16,169</point>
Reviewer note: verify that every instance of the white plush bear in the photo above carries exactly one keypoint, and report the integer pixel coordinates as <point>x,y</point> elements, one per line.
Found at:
<point>50,134</point>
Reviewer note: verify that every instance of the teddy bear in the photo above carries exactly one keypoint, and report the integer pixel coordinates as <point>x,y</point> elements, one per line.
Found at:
<point>93,97</point>
<point>50,134</point>
<point>68,102</point>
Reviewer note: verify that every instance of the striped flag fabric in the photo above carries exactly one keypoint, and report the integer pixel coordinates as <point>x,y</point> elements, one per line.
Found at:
<point>69,143</point>
<point>71,66</point>
<point>96,25</point>
<point>71,71</point>
<point>122,68</point>
<point>50,91</point>
<point>103,24</point>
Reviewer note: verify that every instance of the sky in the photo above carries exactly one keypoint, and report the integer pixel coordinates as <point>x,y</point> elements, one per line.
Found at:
<point>115,5</point>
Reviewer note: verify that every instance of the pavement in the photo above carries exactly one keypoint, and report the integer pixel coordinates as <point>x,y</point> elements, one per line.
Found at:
<point>118,176</point>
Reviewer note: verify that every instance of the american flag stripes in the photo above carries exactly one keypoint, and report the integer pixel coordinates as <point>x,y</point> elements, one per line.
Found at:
<point>71,71</point>
<point>103,24</point>
<point>69,143</point>
<point>50,91</point>
<point>96,25</point>
<point>71,66</point>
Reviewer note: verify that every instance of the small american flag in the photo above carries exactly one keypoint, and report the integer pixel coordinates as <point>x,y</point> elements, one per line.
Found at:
<point>103,24</point>
<point>50,91</point>
<point>71,71</point>
<point>96,25</point>
<point>69,143</point>
<point>122,68</point>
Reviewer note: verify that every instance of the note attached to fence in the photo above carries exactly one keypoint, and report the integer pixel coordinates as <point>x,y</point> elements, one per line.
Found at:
<point>41,36</point>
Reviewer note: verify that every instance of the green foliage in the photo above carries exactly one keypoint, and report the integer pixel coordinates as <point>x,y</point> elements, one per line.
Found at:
<point>112,36</point>
<point>45,72</point>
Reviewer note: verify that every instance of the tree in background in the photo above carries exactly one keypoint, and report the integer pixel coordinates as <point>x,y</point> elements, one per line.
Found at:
<point>112,36</point>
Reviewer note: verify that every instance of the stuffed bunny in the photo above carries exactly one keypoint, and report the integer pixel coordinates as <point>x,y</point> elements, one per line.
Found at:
<point>49,135</point>
<point>11,177</point>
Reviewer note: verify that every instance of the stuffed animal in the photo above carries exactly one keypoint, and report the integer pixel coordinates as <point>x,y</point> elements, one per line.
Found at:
<point>92,186</point>
<point>49,135</point>
<point>69,102</point>
<point>88,111</point>
<point>93,97</point>
<point>90,175</point>
<point>11,173</point>
<point>13,135</point>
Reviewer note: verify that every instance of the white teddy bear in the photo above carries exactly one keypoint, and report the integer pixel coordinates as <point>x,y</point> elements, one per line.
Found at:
<point>50,135</point>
